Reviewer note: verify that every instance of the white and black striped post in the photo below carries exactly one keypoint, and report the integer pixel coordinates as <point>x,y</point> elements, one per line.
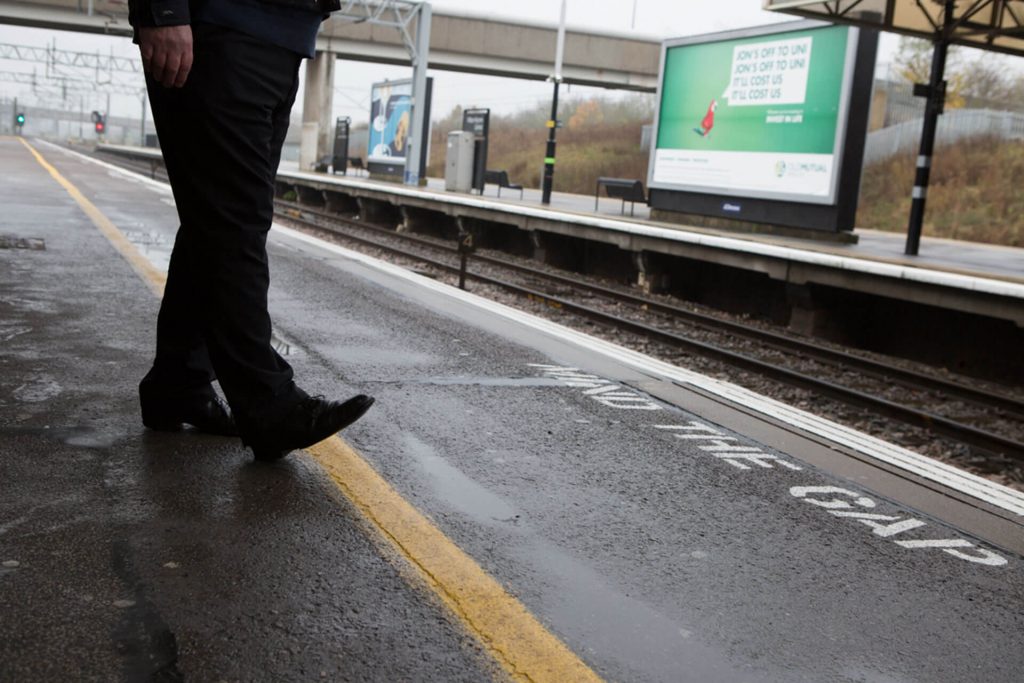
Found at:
<point>547,182</point>
<point>935,92</point>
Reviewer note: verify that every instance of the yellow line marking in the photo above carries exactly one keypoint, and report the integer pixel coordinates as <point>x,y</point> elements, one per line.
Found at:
<point>514,637</point>
<point>150,274</point>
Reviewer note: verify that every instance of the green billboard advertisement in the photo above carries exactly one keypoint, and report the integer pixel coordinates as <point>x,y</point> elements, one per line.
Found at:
<point>760,115</point>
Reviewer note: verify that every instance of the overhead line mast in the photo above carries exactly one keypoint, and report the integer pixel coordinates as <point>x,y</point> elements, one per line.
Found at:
<point>549,158</point>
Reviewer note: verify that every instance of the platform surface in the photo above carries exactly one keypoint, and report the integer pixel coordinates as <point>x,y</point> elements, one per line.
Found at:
<point>656,530</point>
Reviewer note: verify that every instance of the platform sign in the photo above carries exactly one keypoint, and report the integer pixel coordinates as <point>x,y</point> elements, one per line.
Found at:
<point>760,115</point>
<point>339,161</point>
<point>478,122</point>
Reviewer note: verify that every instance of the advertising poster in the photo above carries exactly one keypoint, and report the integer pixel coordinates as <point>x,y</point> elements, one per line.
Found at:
<point>759,116</point>
<point>390,122</point>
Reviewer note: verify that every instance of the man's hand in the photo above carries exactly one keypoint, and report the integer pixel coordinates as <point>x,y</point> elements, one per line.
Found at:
<point>167,53</point>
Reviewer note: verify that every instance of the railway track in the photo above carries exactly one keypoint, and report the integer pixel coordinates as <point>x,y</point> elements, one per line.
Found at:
<point>858,369</point>
<point>844,362</point>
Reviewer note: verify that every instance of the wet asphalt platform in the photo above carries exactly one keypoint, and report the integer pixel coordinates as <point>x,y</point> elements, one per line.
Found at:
<point>650,531</point>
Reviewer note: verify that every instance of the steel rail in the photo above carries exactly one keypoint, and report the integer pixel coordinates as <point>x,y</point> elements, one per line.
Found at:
<point>877,369</point>
<point>938,424</point>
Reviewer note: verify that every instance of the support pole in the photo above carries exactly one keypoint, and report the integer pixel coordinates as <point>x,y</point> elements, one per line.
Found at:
<point>549,156</point>
<point>936,96</point>
<point>418,135</point>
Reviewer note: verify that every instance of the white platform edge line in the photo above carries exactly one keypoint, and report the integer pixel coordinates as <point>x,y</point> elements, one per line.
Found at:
<point>964,482</point>
<point>933,470</point>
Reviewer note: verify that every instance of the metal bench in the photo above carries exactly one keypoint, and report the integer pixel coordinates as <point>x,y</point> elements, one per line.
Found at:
<point>626,189</point>
<point>500,178</point>
<point>355,163</point>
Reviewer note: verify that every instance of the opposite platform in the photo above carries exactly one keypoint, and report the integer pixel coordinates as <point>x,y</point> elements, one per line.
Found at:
<point>976,279</point>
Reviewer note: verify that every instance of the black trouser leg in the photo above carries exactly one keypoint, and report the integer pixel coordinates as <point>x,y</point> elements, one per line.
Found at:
<point>221,137</point>
<point>182,366</point>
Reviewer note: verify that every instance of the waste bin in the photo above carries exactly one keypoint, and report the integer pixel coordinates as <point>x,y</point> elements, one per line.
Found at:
<point>458,167</point>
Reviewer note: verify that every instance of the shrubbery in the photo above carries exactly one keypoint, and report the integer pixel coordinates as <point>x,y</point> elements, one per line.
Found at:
<point>975,192</point>
<point>599,138</point>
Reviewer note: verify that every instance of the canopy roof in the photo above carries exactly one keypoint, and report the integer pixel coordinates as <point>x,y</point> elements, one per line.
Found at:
<point>996,25</point>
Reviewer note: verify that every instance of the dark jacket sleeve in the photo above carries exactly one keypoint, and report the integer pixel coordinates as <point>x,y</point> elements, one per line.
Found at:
<point>176,13</point>
<point>158,12</point>
<point>325,6</point>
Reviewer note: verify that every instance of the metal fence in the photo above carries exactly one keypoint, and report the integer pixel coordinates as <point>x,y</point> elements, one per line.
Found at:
<point>954,125</point>
<point>899,101</point>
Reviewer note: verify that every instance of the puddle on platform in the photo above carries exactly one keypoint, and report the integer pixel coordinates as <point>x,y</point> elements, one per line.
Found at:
<point>458,490</point>
<point>155,246</point>
<point>85,437</point>
<point>81,436</point>
<point>38,389</point>
<point>610,620</point>
<point>629,629</point>
<point>29,243</point>
<point>10,331</point>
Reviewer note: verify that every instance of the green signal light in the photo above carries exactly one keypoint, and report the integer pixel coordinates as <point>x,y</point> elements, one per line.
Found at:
<point>20,119</point>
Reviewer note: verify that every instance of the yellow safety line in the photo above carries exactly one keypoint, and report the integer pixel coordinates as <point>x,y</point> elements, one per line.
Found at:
<point>514,637</point>
<point>150,274</point>
<point>524,648</point>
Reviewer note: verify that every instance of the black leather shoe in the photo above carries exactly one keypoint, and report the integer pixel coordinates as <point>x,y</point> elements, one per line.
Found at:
<point>310,421</point>
<point>207,413</point>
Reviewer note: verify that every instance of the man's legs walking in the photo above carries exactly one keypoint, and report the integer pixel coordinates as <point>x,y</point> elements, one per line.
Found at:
<point>221,135</point>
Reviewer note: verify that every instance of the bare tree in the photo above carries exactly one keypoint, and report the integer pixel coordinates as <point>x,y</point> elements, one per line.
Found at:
<point>988,83</point>
<point>913,64</point>
<point>983,80</point>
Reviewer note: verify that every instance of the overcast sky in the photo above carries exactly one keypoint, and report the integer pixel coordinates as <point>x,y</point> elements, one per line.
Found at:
<point>655,18</point>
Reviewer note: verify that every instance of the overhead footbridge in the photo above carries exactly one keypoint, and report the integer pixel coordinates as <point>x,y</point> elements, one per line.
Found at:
<point>459,41</point>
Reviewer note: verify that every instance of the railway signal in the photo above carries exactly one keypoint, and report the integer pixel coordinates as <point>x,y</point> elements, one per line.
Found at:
<point>100,122</point>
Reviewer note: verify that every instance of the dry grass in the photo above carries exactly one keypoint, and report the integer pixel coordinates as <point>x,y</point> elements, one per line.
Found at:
<point>975,193</point>
<point>582,155</point>
<point>586,149</point>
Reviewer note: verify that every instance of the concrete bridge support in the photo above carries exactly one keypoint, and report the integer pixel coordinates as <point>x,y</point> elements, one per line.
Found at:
<point>317,104</point>
<point>651,276</point>
<point>540,251</point>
